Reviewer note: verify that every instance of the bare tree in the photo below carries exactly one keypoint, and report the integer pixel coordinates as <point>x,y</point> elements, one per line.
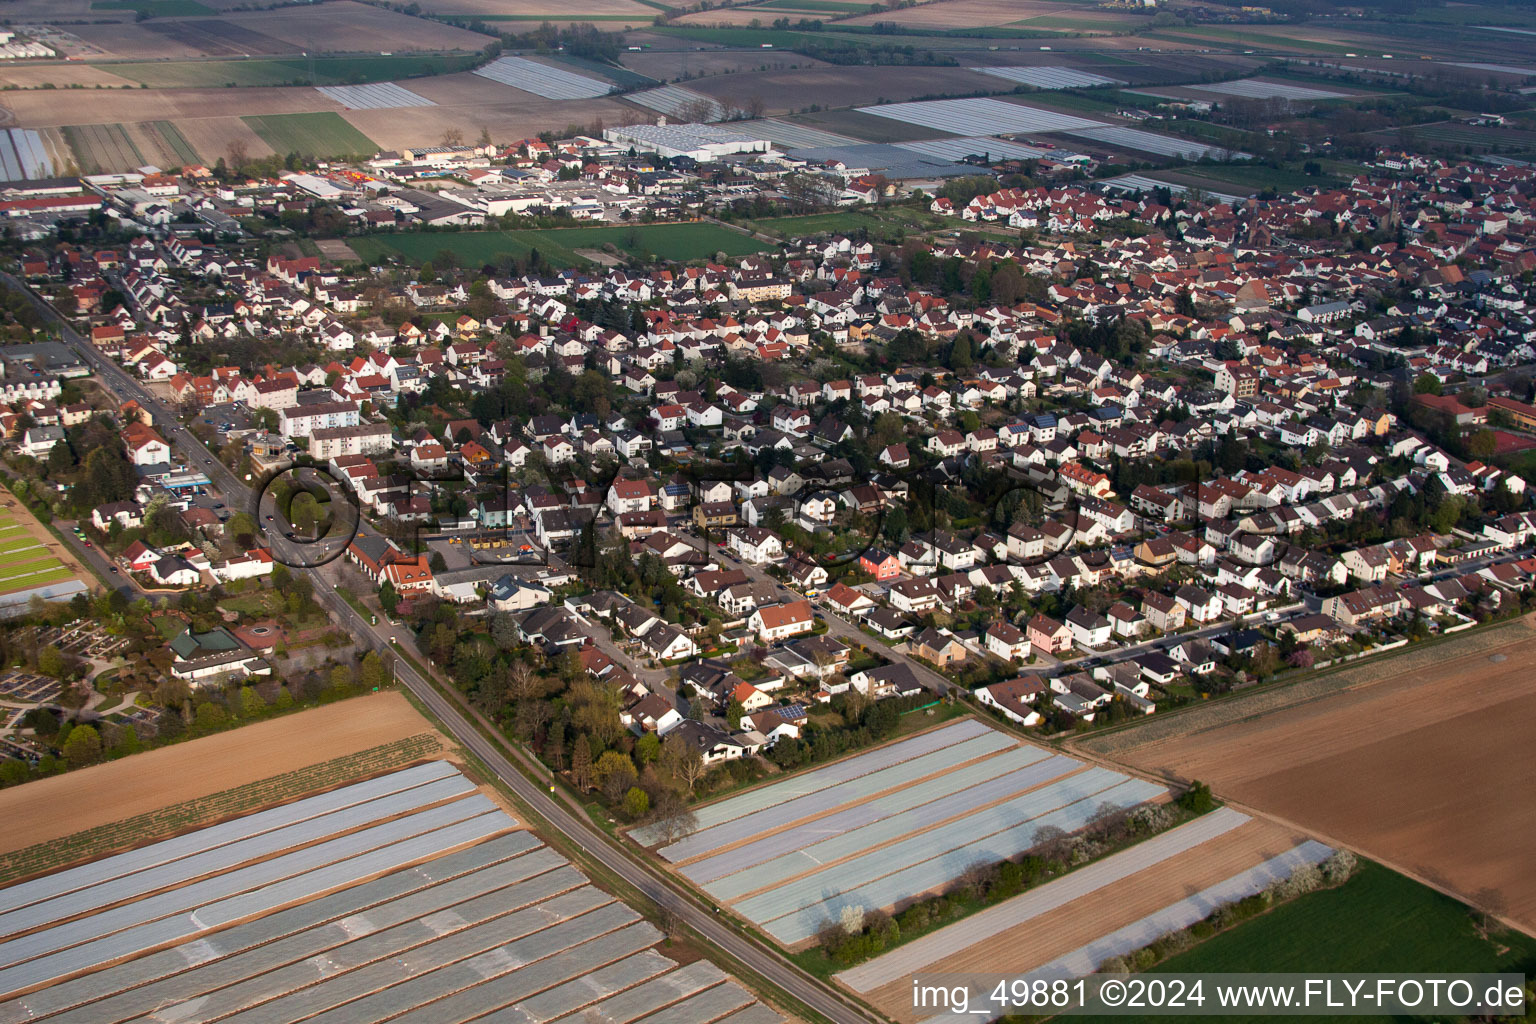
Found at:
<point>684,761</point>
<point>756,106</point>
<point>239,155</point>
<point>523,680</point>
<point>453,137</point>
<point>672,816</point>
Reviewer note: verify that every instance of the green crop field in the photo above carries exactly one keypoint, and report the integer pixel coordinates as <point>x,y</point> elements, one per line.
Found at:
<point>320,135</point>
<point>156,8</point>
<point>1377,921</point>
<point>176,141</point>
<point>681,242</point>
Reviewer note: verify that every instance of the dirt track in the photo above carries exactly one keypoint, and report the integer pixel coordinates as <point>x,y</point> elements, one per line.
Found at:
<point>1428,770</point>
<point>51,808</point>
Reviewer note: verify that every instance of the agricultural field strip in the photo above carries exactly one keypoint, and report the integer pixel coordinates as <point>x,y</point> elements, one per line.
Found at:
<point>1251,88</point>
<point>576,962</point>
<point>599,984</point>
<point>840,837</point>
<point>1086,959</point>
<point>798,910</point>
<point>905,799</point>
<point>275,968</point>
<point>1049,77</point>
<point>671,100</point>
<point>208,839</point>
<point>816,779</point>
<point>301,833</point>
<point>22,155</point>
<point>214,902</point>
<point>619,1009</point>
<point>889,779</point>
<point>980,116</point>
<point>311,986</point>
<point>711,1004</point>
<point>876,863</point>
<point>802,805</point>
<point>1150,142</point>
<point>932,875</point>
<point>543,955</point>
<point>543,80</point>
<point>138,986</point>
<point>1143,183</point>
<point>232,876</point>
<point>378,96</point>
<point>994,921</point>
<point>782,133</point>
<point>975,145</point>
<point>1506,69</point>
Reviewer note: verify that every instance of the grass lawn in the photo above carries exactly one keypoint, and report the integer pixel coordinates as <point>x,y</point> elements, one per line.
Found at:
<point>167,625</point>
<point>681,242</point>
<point>882,221</point>
<point>249,604</point>
<point>1522,464</point>
<point>318,135</point>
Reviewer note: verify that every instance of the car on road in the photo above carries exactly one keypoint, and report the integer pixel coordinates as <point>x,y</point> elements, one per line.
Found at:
<point>87,543</point>
<point>269,518</point>
<point>113,568</point>
<point>207,462</point>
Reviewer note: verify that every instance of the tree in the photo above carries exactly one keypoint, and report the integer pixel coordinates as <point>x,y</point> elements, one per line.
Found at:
<point>389,598</point>
<point>1426,384</point>
<point>614,773</point>
<point>83,746</point>
<point>50,662</point>
<point>374,672</point>
<point>581,763</point>
<point>637,803</point>
<point>1197,798</point>
<point>251,703</point>
<point>648,749</point>
<point>683,760</point>
<point>554,745</point>
<point>211,716</point>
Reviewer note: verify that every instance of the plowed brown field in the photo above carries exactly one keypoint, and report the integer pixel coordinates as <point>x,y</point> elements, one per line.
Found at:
<point>63,805</point>
<point>1429,770</point>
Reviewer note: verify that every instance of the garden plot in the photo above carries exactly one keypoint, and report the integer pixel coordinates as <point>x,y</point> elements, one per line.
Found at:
<point>980,116</point>
<point>543,80</point>
<point>880,829</point>
<point>1047,77</point>
<point>409,896</point>
<point>1256,89</point>
<point>379,96</point>
<point>1068,926</point>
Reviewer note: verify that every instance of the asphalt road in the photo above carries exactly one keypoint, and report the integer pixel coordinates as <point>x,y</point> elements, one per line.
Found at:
<point>759,958</point>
